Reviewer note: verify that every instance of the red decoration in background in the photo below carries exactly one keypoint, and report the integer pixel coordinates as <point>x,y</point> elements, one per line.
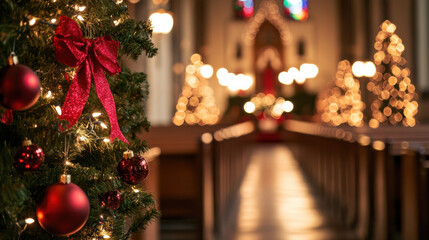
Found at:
<point>19,87</point>
<point>63,210</point>
<point>7,117</point>
<point>92,57</point>
<point>268,79</point>
<point>28,157</point>
<point>133,170</point>
<point>111,199</point>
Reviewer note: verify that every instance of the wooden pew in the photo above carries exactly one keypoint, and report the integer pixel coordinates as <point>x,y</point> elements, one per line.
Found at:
<point>372,181</point>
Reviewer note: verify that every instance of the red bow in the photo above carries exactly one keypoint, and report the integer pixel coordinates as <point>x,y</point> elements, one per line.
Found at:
<point>91,57</point>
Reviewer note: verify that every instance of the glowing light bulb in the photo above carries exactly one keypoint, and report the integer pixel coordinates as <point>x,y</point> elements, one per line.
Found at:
<point>96,114</point>
<point>80,17</point>
<point>48,95</point>
<point>32,21</point>
<point>285,78</point>
<point>369,69</point>
<point>58,109</point>
<point>249,107</point>
<point>29,220</point>
<point>287,106</point>
<point>309,70</point>
<point>106,140</point>
<point>206,71</point>
<point>162,21</point>
<point>53,20</point>
<point>103,125</point>
<point>358,68</point>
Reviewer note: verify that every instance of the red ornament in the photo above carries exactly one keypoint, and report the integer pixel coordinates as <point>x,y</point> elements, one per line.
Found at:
<point>132,169</point>
<point>19,87</point>
<point>111,199</point>
<point>28,157</point>
<point>64,208</point>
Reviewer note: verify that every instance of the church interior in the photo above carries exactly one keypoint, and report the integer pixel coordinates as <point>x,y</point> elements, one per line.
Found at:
<point>294,119</point>
<point>269,119</point>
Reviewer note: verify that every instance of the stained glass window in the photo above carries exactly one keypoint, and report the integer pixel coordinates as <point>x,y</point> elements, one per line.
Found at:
<point>243,9</point>
<point>296,9</point>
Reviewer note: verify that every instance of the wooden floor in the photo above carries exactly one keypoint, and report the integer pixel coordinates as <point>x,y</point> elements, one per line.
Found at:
<point>276,203</point>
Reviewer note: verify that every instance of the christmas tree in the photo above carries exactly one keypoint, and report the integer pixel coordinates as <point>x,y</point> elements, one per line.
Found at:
<point>196,104</point>
<point>395,96</point>
<point>342,103</point>
<point>70,45</point>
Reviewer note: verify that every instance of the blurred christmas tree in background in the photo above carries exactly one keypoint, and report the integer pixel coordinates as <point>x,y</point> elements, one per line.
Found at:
<point>395,101</point>
<point>342,103</point>
<point>45,36</point>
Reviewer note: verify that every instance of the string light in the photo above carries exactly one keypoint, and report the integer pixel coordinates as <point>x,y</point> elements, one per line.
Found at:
<point>103,125</point>
<point>96,114</point>
<point>53,20</point>
<point>80,17</point>
<point>342,103</point>
<point>48,95</point>
<point>106,140</point>
<point>116,22</point>
<point>32,21</point>
<point>395,101</point>
<point>29,220</point>
<point>58,109</point>
<point>249,107</point>
<point>196,104</point>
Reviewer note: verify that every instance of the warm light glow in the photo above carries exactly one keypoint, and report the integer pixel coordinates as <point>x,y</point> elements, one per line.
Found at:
<point>162,21</point>
<point>96,114</point>
<point>369,69</point>
<point>106,236</point>
<point>80,17</point>
<point>103,125</point>
<point>106,140</point>
<point>48,95</point>
<point>58,109</point>
<point>293,72</point>
<point>285,78</point>
<point>221,73</point>
<point>53,20</point>
<point>206,71</point>
<point>29,220</point>
<point>80,8</point>
<point>358,68</point>
<point>300,78</point>
<point>136,190</point>
<point>361,69</point>
<point>309,70</point>
<point>116,22</point>
<point>287,106</point>
<point>249,107</point>
<point>207,138</point>
<point>32,21</point>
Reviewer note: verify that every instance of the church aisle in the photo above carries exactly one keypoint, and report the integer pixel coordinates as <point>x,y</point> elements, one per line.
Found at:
<point>275,201</point>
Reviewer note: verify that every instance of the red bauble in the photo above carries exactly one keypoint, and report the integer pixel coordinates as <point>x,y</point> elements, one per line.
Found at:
<point>111,199</point>
<point>19,87</point>
<point>63,210</point>
<point>132,169</point>
<point>28,157</point>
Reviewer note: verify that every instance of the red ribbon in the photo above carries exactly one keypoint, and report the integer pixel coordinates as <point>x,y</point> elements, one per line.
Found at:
<point>7,117</point>
<point>91,57</point>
